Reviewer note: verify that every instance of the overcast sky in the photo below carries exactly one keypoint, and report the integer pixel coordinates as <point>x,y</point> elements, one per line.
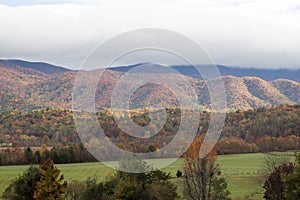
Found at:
<point>254,33</point>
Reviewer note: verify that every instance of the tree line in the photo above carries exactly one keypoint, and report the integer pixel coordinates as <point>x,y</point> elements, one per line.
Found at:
<point>61,155</point>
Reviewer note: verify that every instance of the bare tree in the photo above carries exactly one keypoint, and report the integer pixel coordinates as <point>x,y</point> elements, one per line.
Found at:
<point>201,176</point>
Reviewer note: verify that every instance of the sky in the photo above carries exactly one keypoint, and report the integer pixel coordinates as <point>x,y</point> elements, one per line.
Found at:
<point>245,33</point>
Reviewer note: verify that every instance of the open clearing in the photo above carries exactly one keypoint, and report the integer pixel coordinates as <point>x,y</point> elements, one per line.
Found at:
<point>242,172</point>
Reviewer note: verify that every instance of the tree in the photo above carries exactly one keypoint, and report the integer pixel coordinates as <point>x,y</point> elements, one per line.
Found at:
<point>162,190</point>
<point>97,191</point>
<point>220,191</point>
<point>128,188</point>
<point>142,185</point>
<point>46,140</point>
<point>274,184</point>
<point>22,188</point>
<point>29,156</point>
<point>292,182</point>
<point>50,185</point>
<point>178,174</point>
<point>44,152</point>
<point>37,156</point>
<point>201,178</point>
<point>75,190</point>
<point>273,161</point>
<point>151,148</point>
<point>72,153</point>
<point>153,185</point>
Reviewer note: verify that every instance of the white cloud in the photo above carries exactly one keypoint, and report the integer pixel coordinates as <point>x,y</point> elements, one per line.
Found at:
<point>245,33</point>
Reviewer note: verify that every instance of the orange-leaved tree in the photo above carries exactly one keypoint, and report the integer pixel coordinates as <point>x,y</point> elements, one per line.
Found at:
<point>202,180</point>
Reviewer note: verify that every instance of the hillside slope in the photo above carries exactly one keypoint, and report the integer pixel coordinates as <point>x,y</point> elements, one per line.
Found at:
<point>24,88</point>
<point>263,129</point>
<point>40,66</point>
<point>289,88</point>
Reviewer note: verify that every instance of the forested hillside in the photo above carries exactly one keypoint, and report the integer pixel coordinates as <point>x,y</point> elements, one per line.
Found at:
<point>263,129</point>
<point>28,88</point>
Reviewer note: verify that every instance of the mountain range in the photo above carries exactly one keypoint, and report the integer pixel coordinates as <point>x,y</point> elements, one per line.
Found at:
<point>266,74</point>
<point>33,85</point>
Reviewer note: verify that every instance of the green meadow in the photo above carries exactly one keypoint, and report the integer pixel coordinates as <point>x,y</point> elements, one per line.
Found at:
<point>242,172</point>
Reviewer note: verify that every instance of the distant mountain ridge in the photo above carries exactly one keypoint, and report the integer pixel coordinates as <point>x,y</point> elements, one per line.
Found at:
<point>39,66</point>
<point>266,74</point>
<point>188,70</point>
<point>38,85</point>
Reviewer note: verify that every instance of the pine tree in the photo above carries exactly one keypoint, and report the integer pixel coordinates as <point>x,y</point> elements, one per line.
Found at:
<point>29,155</point>
<point>22,188</point>
<point>51,185</point>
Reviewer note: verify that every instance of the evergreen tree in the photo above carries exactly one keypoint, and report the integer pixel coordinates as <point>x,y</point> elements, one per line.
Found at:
<point>51,185</point>
<point>22,188</point>
<point>29,156</point>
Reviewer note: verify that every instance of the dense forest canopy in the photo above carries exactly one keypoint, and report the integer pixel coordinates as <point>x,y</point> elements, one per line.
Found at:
<point>263,129</point>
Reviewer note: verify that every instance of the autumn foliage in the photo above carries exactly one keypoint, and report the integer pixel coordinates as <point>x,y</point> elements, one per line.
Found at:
<point>51,185</point>
<point>202,177</point>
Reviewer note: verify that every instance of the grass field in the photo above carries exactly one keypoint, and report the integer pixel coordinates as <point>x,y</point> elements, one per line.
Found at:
<point>242,173</point>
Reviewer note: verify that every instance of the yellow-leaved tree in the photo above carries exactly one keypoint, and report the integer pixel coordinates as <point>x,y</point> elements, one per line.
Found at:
<point>51,185</point>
